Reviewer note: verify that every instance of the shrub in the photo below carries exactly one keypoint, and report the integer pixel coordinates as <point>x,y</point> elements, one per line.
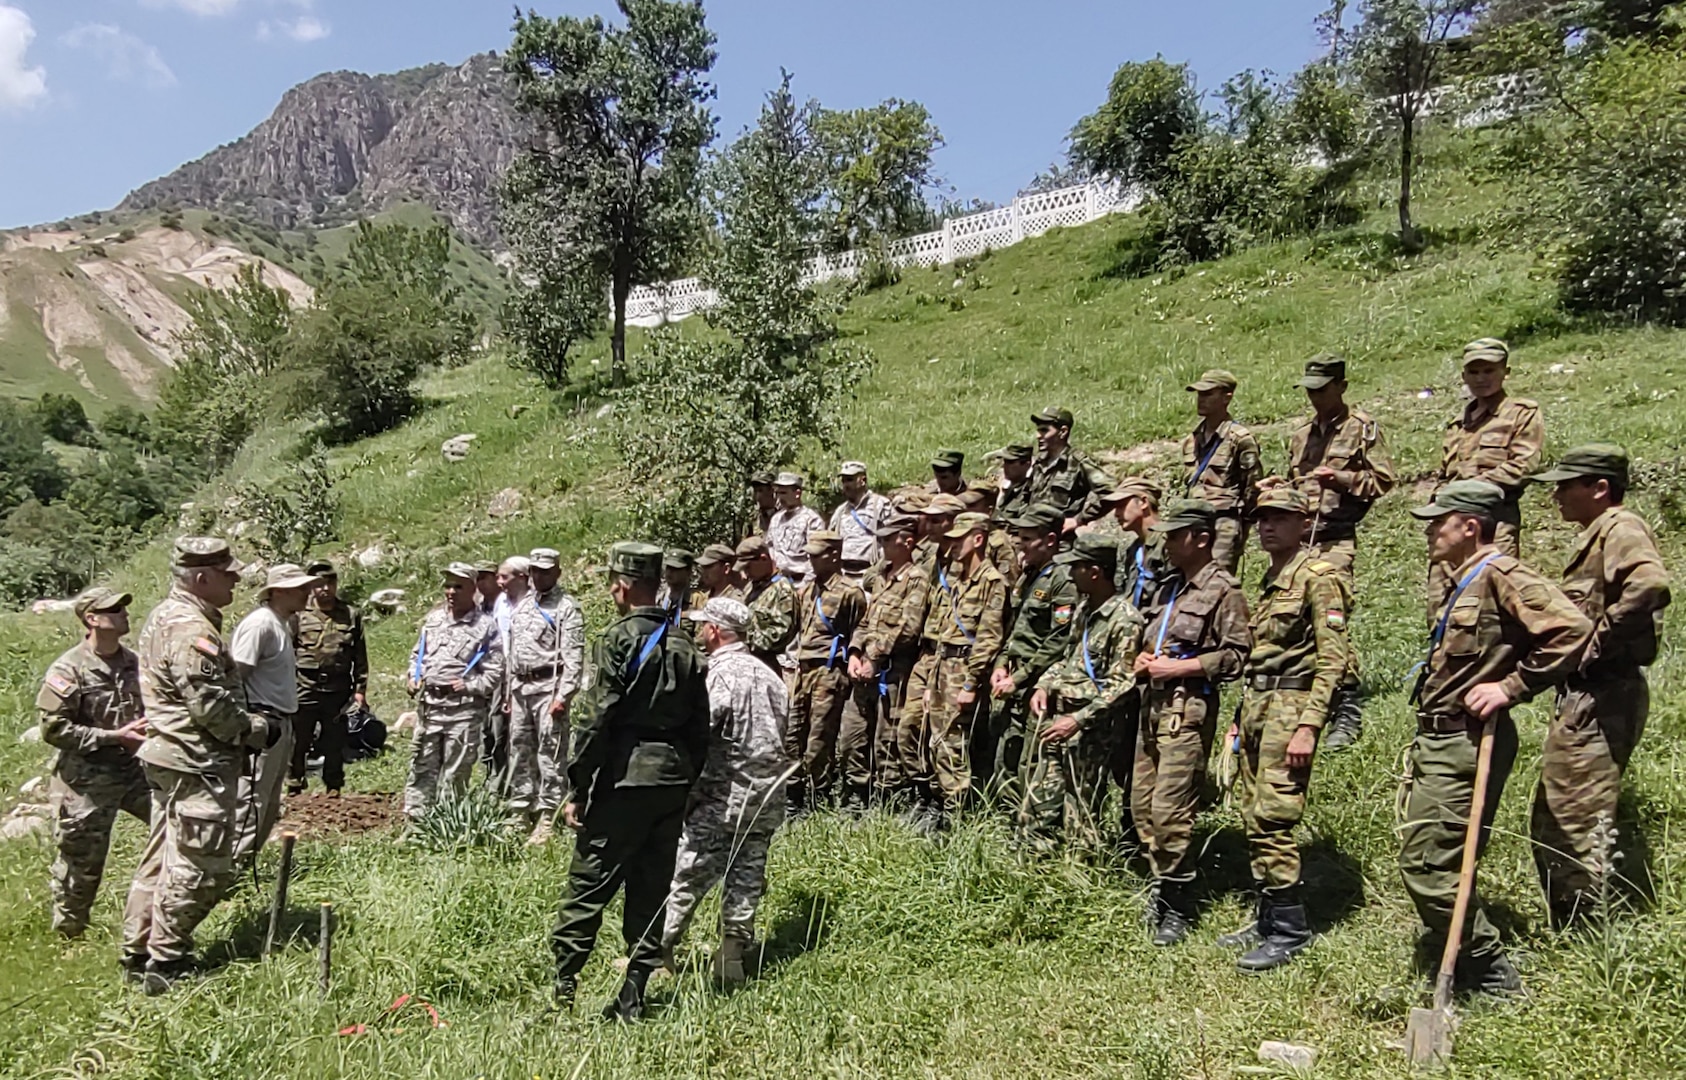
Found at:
<point>63,418</point>
<point>27,469</point>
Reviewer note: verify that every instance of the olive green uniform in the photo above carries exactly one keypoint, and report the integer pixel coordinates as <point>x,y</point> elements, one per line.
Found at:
<point>1616,578</point>
<point>1222,468</point>
<point>1501,445</point>
<point>1072,481</point>
<point>969,612</point>
<point>1039,614</point>
<point>333,664</point>
<point>828,614</point>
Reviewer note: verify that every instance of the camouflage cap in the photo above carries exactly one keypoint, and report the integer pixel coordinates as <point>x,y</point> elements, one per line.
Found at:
<point>966,524</point>
<point>1322,370</point>
<point>99,599</point>
<point>760,478</point>
<point>636,560</point>
<point>1595,461</point>
<point>852,468</point>
<point>1187,514</point>
<point>193,551</point>
<point>1214,379</point>
<point>678,559</point>
<point>750,547</point>
<point>715,554</point>
<point>1092,548</point>
<point>944,504</point>
<point>788,479</point>
<point>1281,499</point>
<point>1038,516</point>
<point>948,458</point>
<point>724,612</point>
<point>1486,348</point>
<point>975,499</point>
<point>482,568</point>
<point>1013,451</point>
<point>1134,487</point>
<point>321,568</point>
<point>894,524</point>
<point>544,559</point>
<point>821,542</point>
<point>458,571</point>
<point>1052,416</point>
<point>1464,497</point>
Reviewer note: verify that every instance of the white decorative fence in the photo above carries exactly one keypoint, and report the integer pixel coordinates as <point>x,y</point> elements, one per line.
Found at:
<point>959,238</point>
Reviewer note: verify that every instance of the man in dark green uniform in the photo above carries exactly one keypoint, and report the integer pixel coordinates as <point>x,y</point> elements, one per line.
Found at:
<point>639,743</point>
<point>1039,613</point>
<point>333,673</point>
<point>1013,493</point>
<point>1063,477</point>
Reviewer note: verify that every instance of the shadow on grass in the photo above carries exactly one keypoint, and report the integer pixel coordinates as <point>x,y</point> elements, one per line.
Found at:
<point>1332,883</point>
<point>300,926</point>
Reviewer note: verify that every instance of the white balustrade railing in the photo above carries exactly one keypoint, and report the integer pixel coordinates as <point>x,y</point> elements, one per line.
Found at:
<point>959,238</point>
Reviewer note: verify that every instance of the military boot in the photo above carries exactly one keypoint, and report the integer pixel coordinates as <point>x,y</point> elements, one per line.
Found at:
<point>161,975</point>
<point>727,965</point>
<point>1176,913</point>
<point>1492,975</point>
<point>628,1006</point>
<point>134,968</point>
<point>563,989</point>
<point>1346,719</point>
<point>1249,936</point>
<point>541,833</point>
<point>1287,934</point>
<point>854,800</point>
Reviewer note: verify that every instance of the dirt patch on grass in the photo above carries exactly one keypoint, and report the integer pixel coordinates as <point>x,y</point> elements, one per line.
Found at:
<point>1147,453</point>
<point>314,815</point>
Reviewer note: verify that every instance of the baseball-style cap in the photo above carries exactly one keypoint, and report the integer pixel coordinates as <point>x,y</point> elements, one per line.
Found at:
<point>974,499</point>
<point>1054,415</point>
<point>1187,514</point>
<point>483,567</point>
<point>750,547</point>
<point>852,468</point>
<point>100,599</point>
<point>1605,461</point>
<point>895,523</point>
<point>821,542</point>
<point>458,571</point>
<point>1215,379</point>
<point>208,551</point>
<point>1486,348</point>
<point>967,524</point>
<point>636,560</point>
<point>544,559</point>
<point>1037,516</point>
<point>760,477</point>
<point>1133,487</point>
<point>678,559</point>
<point>944,504</point>
<point>1322,370</point>
<point>788,479</point>
<point>1013,451</point>
<point>714,554</point>
<point>286,576</point>
<point>1091,547</point>
<point>1464,497</point>
<point>1281,500</point>
<point>724,612</point>
<point>947,458</point>
<point>321,568</point>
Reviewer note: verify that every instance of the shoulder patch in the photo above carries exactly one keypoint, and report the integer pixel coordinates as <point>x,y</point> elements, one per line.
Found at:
<point>1536,595</point>
<point>1336,618</point>
<point>1524,403</point>
<point>1062,614</point>
<point>207,646</point>
<point>59,684</point>
<point>1040,594</point>
<point>1320,568</point>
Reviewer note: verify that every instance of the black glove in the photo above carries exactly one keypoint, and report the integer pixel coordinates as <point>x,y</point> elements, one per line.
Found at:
<point>274,735</point>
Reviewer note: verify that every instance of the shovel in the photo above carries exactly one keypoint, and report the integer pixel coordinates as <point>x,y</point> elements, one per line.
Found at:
<point>1428,1033</point>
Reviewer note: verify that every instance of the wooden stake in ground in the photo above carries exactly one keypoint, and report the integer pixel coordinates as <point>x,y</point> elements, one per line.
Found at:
<point>282,877</point>
<point>325,949</point>
<point>1428,1034</point>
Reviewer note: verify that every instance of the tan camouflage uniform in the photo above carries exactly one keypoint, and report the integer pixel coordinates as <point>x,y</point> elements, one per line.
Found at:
<point>970,613</point>
<point>1226,482</point>
<point>1352,446</point>
<point>827,616</point>
<point>1501,446</point>
<point>446,741</point>
<point>546,661</point>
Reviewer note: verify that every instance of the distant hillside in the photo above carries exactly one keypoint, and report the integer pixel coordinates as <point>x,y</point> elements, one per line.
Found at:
<point>345,145</point>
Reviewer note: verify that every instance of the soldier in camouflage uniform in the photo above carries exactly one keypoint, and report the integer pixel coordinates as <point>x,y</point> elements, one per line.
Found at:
<point>714,574</point>
<point>1504,635</point>
<point>1063,477</point>
<point>457,663</point>
<point>969,607</point>
<point>1221,465</point>
<point>333,673</point>
<point>1300,656</point>
<point>771,599</point>
<point>999,549</point>
<point>90,710</point>
<point>1196,639</point>
<point>1497,439</point>
<point>1039,611</point>
<point>828,611</point>
<point>857,517</point>
<point>678,594</point>
<point>738,801</point>
<point>946,473</point>
<point>1617,579</point>
<point>792,524</point>
<point>881,658</point>
<point>198,734</point>
<point>1076,704</point>
<point>640,740</point>
<point>766,502</point>
<point>1017,460</point>
<point>546,661</point>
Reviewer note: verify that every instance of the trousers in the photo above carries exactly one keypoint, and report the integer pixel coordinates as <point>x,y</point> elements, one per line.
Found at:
<point>537,777</point>
<point>1273,796</point>
<point>816,718</point>
<point>1172,746</point>
<point>187,865</point>
<point>257,799</point>
<point>86,798</point>
<point>442,756</point>
<point>718,847</point>
<point>320,723</point>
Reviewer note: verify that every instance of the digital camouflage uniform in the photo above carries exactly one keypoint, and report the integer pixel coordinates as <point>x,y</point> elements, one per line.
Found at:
<point>85,698</point>
<point>1222,469</point>
<point>446,741</point>
<point>1616,578</point>
<point>333,665</point>
<point>546,661</point>
<point>1065,784</point>
<point>787,540</point>
<point>1039,615</point>
<point>738,801</point>
<point>858,526</point>
<point>827,613</point>
<point>970,611</point>
<point>640,738</point>
<point>198,732</point>
<point>1501,445</point>
<point>1511,626</point>
<point>888,637</point>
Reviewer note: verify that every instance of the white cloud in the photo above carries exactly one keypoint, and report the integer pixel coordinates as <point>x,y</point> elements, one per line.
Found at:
<point>304,29</point>
<point>20,86</point>
<point>196,7</point>
<point>125,55</point>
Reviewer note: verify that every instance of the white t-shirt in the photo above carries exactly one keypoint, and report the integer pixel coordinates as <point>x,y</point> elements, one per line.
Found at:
<point>263,643</point>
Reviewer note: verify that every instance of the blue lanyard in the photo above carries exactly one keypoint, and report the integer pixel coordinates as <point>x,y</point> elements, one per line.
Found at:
<point>650,644</point>
<point>953,607</point>
<point>1446,616</point>
<point>474,661</point>
<point>1165,620</point>
<point>857,518</point>
<point>421,657</point>
<point>1200,469</point>
<point>836,638</point>
<point>1089,664</point>
<point>1143,576</point>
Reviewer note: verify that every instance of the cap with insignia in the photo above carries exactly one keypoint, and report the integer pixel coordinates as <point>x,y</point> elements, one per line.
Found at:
<point>966,524</point>
<point>458,571</point>
<point>750,547</point>
<point>1322,370</point>
<point>1038,516</point>
<point>1187,514</point>
<point>947,458</point>
<point>759,478</point>
<point>944,504</point>
<point>1013,451</point>
<point>1133,487</point>
<point>852,468</point>
<point>895,523</point>
<point>1464,497</point>
<point>544,559</point>
<point>678,559</point>
<point>1096,549</point>
<point>788,479</point>
<point>100,599</point>
<point>724,612</point>
<point>1594,461</point>
<point>715,554</point>
<point>1215,379</point>
<point>208,551</point>
<point>1486,348</point>
<point>636,560</point>
<point>321,568</point>
<point>821,542</point>
<point>285,576</point>
<point>1052,416</point>
<point>1281,499</point>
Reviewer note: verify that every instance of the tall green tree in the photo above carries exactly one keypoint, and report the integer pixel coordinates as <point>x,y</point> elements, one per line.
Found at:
<point>607,190</point>
<point>878,164</point>
<point>773,378</point>
<point>27,469</point>
<point>1151,111</point>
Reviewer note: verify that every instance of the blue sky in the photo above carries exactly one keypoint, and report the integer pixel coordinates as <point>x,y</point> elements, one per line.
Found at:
<point>99,96</point>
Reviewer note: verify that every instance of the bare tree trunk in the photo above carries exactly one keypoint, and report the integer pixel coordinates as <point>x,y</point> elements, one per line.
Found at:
<point>1408,236</point>
<point>622,287</point>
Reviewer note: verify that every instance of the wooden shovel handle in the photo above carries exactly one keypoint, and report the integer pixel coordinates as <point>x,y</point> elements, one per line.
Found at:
<point>1466,876</point>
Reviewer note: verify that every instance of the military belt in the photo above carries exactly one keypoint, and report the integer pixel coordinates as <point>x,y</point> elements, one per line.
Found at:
<point>544,671</point>
<point>955,652</point>
<point>1267,683</point>
<point>268,710</point>
<point>1445,723</point>
<point>810,664</point>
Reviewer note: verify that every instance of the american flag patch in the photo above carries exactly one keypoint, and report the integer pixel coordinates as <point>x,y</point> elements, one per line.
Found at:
<point>207,646</point>
<point>60,684</point>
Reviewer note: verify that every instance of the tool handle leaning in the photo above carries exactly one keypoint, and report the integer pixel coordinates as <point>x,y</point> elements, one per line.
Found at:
<point>1466,876</point>
<point>282,878</point>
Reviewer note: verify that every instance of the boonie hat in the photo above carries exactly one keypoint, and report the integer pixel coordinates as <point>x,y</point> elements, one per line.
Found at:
<point>100,599</point>
<point>724,612</point>
<point>1464,497</point>
<point>1214,379</point>
<point>285,576</point>
<point>1322,370</point>
<point>1605,461</point>
<point>1187,514</point>
<point>636,559</point>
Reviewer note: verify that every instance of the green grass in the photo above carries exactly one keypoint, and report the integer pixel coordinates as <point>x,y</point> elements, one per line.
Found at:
<point>892,956</point>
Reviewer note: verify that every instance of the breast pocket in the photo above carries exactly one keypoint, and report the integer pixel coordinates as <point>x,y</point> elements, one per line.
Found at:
<point>1492,448</point>
<point>1463,628</point>
<point>1280,623</point>
<point>1188,623</point>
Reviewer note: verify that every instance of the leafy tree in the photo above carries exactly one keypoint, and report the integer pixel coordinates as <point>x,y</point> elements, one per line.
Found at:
<point>117,490</point>
<point>293,513</point>
<point>1150,111</point>
<point>772,378</point>
<point>1325,114</point>
<point>878,168</point>
<point>27,469</point>
<point>64,419</point>
<point>608,189</point>
<point>126,423</point>
<point>1397,52</point>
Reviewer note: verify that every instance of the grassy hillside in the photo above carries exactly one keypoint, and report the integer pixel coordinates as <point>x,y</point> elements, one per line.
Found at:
<point>891,956</point>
